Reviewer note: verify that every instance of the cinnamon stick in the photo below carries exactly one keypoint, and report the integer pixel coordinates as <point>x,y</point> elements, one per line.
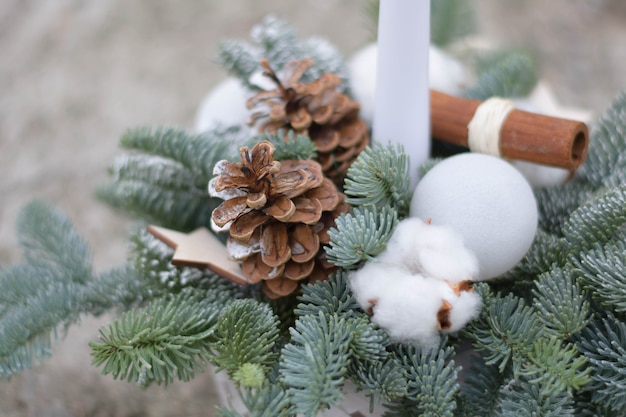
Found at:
<point>524,135</point>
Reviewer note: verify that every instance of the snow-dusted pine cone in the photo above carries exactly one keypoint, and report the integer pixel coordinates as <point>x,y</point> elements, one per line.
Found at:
<point>278,215</point>
<point>318,110</point>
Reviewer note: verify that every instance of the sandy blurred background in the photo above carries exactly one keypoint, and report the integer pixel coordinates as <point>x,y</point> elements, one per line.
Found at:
<point>75,74</point>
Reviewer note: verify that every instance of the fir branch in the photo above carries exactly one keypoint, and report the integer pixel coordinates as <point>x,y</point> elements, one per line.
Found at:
<point>603,342</point>
<point>168,339</point>
<point>314,364</point>
<point>246,333</point>
<point>384,377</point>
<point>481,390</point>
<point>165,181</point>
<point>605,164</point>
<point>560,304</point>
<point>555,367</point>
<point>269,401</point>
<point>197,152</point>
<point>176,209</point>
<point>602,271</point>
<point>524,398</point>
<point>152,260</point>
<point>330,297</point>
<point>379,177</point>
<point>504,74</point>
<point>546,251</point>
<point>240,59</point>
<point>451,20</point>
<point>119,288</point>
<point>432,379</point>
<point>556,204</point>
<point>29,326</point>
<point>596,221</point>
<point>289,145</point>
<point>368,342</point>
<point>50,241</point>
<point>47,293</point>
<point>505,331</point>
<point>275,40</point>
<point>360,236</point>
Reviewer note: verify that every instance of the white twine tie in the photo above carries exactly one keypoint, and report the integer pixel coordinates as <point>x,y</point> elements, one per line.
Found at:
<point>484,128</point>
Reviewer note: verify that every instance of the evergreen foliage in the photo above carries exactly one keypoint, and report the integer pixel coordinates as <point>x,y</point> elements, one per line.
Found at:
<point>169,339</point>
<point>246,334</point>
<point>52,288</point>
<point>432,382</point>
<point>164,176</point>
<point>275,40</point>
<point>380,177</point>
<point>314,364</point>
<point>289,145</point>
<point>606,163</point>
<point>504,74</point>
<point>550,339</point>
<point>451,20</point>
<point>360,236</point>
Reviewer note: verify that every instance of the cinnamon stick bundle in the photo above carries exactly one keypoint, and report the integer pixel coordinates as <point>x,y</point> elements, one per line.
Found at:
<point>523,135</point>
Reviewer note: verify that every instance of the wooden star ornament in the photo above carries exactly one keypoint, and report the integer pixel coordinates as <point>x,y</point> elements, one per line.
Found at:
<point>200,249</point>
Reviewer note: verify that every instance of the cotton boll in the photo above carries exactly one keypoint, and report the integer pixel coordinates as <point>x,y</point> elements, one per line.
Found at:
<point>375,281</point>
<point>409,312</point>
<point>401,250</point>
<point>443,255</point>
<point>224,105</point>
<point>465,308</point>
<point>430,250</point>
<point>410,307</point>
<point>446,74</point>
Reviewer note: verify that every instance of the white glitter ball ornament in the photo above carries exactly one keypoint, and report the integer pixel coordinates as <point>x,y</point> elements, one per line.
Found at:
<point>487,201</point>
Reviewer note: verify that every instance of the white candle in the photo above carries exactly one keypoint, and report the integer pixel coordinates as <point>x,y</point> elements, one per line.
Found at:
<point>402,106</point>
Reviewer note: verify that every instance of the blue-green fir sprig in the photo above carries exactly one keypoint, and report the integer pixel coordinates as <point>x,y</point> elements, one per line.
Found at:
<point>275,40</point>
<point>505,331</point>
<point>384,378</point>
<point>360,235</point>
<point>379,177</point>
<point>331,297</point>
<point>509,73</point>
<point>560,303</point>
<point>604,344</point>
<point>606,160</point>
<point>169,339</point>
<point>555,367</point>
<point>246,333</point>
<point>524,398</point>
<point>53,288</point>
<point>314,364</point>
<point>270,400</point>
<point>602,271</point>
<point>288,145</point>
<point>163,178</point>
<point>432,382</point>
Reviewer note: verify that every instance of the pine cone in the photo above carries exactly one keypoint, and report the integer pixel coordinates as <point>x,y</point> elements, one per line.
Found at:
<point>278,215</point>
<point>318,110</point>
